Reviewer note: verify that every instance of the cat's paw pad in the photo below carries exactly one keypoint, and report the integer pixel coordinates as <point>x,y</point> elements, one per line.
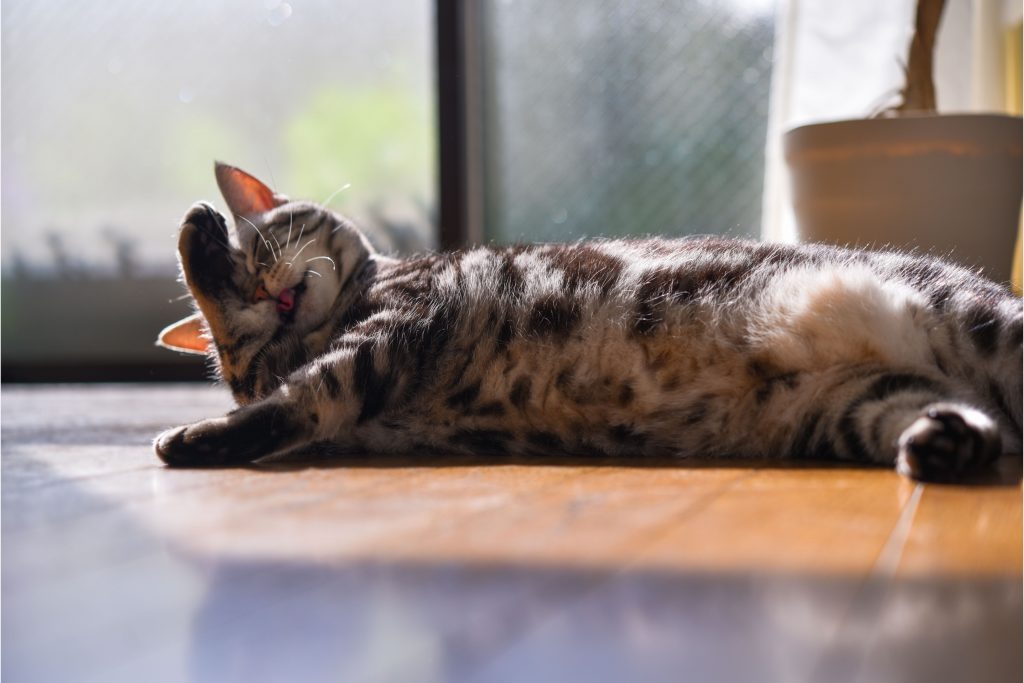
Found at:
<point>206,219</point>
<point>206,252</point>
<point>203,230</point>
<point>946,441</point>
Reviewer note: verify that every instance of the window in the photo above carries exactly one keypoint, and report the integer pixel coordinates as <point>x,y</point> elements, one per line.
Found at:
<point>113,114</point>
<point>619,118</point>
<point>576,118</point>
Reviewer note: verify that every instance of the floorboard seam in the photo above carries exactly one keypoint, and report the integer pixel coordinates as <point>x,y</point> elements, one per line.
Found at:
<point>868,598</point>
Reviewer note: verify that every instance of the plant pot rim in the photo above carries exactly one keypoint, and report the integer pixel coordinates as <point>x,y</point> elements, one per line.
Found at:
<point>910,121</point>
<point>951,134</point>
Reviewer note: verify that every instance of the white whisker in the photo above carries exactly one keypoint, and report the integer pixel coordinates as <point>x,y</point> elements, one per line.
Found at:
<point>291,217</point>
<point>270,248</point>
<point>312,272</point>
<point>334,194</point>
<point>280,251</point>
<point>326,258</point>
<point>303,248</point>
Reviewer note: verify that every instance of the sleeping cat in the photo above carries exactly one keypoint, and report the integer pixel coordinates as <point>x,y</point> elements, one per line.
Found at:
<point>624,348</point>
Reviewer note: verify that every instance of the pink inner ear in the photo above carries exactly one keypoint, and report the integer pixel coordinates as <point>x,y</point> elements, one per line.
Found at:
<point>244,194</point>
<point>185,335</point>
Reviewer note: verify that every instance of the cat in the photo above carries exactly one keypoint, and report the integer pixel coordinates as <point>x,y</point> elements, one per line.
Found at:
<point>631,348</point>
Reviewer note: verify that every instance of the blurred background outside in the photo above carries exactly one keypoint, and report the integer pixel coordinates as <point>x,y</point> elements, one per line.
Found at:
<point>114,113</point>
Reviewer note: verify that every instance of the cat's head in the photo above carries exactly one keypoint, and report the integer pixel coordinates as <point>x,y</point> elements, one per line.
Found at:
<point>275,269</point>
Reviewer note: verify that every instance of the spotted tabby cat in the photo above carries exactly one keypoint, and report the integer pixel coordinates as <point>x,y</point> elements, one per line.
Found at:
<point>626,348</point>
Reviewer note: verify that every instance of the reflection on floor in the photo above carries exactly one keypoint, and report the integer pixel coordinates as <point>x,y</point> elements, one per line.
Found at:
<point>368,570</point>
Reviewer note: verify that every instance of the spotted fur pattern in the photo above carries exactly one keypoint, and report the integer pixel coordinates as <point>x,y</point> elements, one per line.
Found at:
<point>625,348</point>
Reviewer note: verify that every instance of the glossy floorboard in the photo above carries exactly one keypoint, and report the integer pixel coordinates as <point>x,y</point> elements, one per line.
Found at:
<point>116,569</point>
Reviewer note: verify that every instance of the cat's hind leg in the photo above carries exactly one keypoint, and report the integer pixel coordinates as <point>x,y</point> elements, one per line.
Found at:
<point>240,437</point>
<point>919,423</point>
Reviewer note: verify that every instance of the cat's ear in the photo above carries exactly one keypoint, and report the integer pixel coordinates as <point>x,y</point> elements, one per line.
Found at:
<point>244,194</point>
<point>186,335</point>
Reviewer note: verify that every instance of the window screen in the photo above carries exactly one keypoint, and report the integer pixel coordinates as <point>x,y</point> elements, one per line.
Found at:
<point>611,118</point>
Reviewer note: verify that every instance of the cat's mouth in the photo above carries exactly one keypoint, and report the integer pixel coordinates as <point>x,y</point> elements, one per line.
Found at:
<point>288,302</point>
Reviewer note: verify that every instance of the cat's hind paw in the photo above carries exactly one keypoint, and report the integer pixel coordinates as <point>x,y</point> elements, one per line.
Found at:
<point>946,441</point>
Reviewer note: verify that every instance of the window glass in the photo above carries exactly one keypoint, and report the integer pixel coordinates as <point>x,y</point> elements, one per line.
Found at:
<point>114,112</point>
<point>606,117</point>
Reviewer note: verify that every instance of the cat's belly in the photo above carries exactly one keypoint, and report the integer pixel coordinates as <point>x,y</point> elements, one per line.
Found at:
<point>606,390</point>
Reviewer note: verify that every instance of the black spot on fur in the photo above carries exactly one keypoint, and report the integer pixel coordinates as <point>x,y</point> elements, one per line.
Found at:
<point>769,378</point>
<point>983,328</point>
<point>760,369</point>
<point>626,394</point>
<point>940,296</point>
<point>330,382</point>
<point>504,336</point>
<point>519,396</point>
<point>554,315</point>
<point>585,265</point>
<point>666,287</point>
<point>491,409</point>
<point>237,385</point>
<point>509,277</point>
<point>697,411</point>
<point>624,434</point>
<point>241,341</point>
<point>563,381</point>
<point>482,441</point>
<point>463,399</point>
<point>806,436</point>
<point>545,440</point>
<point>374,387</point>
<point>431,343</point>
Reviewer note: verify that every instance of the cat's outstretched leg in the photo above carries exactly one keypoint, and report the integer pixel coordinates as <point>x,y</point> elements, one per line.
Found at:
<point>916,422</point>
<point>244,435</point>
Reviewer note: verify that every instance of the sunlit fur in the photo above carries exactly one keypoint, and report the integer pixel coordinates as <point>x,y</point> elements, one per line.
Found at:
<point>622,348</point>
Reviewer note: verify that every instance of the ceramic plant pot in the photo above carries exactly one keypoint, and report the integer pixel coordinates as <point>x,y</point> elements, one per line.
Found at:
<point>947,184</point>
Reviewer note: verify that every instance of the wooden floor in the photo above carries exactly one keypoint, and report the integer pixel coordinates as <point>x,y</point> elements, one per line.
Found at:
<point>117,569</point>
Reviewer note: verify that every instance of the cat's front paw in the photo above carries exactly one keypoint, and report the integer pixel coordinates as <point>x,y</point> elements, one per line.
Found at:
<point>196,445</point>
<point>946,441</point>
<point>205,251</point>
<point>170,447</point>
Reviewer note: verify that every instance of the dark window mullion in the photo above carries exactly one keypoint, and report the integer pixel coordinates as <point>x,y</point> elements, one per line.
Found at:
<point>452,175</point>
